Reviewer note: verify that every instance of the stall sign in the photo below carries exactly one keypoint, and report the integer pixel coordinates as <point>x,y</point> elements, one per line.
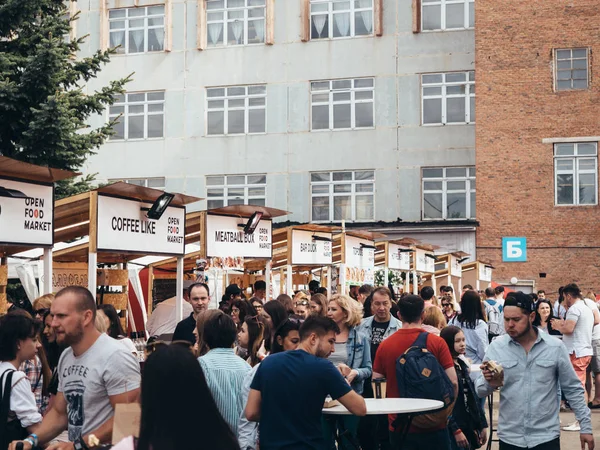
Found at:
<point>360,261</point>
<point>424,263</point>
<point>65,275</point>
<point>224,237</point>
<point>123,226</point>
<point>455,267</point>
<point>398,257</point>
<point>485,273</point>
<point>307,251</point>
<point>27,221</point>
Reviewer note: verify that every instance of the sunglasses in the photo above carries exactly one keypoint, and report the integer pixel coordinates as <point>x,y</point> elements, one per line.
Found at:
<point>302,303</point>
<point>445,305</point>
<point>41,312</point>
<point>258,307</point>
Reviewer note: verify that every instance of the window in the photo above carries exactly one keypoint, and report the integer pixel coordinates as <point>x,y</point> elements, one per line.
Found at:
<point>342,104</point>
<point>227,190</point>
<point>338,196</point>
<point>576,174</point>
<point>137,30</point>
<point>447,14</point>
<point>142,115</point>
<point>448,98</point>
<point>236,110</point>
<point>571,69</point>
<point>156,183</point>
<point>340,18</point>
<point>449,193</point>
<point>235,22</point>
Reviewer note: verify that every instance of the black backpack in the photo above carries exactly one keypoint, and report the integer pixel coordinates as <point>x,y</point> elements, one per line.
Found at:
<point>9,431</point>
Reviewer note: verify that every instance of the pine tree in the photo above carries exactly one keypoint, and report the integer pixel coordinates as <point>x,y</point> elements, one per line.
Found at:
<point>43,106</point>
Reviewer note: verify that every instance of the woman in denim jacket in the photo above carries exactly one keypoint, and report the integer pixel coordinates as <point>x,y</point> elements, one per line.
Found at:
<point>352,356</point>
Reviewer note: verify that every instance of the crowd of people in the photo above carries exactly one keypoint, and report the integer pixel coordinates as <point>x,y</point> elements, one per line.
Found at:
<point>256,374</point>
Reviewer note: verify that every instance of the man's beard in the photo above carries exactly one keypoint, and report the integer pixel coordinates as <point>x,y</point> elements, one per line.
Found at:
<point>520,335</point>
<point>70,339</point>
<point>322,353</point>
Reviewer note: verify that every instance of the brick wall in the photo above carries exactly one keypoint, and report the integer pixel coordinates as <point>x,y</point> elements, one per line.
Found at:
<point>516,108</point>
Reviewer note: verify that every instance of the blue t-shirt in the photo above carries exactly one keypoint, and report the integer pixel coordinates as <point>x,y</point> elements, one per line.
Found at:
<point>293,387</point>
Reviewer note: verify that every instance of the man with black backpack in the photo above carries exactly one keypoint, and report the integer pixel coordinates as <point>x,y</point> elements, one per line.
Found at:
<point>417,364</point>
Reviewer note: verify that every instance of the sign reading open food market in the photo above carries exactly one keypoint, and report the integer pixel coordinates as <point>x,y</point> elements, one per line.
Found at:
<point>123,225</point>
<point>26,213</point>
<point>311,248</point>
<point>225,237</point>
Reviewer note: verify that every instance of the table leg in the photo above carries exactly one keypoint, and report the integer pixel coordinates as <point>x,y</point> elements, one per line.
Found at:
<point>404,432</point>
<point>490,401</point>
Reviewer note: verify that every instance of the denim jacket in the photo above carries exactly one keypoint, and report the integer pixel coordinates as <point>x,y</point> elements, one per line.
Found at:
<point>359,357</point>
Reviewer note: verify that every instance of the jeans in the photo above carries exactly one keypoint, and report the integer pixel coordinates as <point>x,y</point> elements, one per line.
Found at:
<point>438,440</point>
<point>552,445</point>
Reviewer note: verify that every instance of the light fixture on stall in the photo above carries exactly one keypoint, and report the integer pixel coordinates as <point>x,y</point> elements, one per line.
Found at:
<point>159,206</point>
<point>462,260</point>
<point>405,250</point>
<point>11,193</point>
<point>487,266</point>
<point>252,223</point>
<point>321,238</point>
<point>367,246</point>
<point>431,256</point>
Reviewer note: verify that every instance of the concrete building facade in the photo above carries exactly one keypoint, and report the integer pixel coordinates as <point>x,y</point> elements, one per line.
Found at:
<point>538,105</point>
<point>360,110</point>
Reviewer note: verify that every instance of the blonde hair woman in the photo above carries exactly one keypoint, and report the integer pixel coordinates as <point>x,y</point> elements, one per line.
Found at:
<point>434,320</point>
<point>41,305</point>
<point>352,356</point>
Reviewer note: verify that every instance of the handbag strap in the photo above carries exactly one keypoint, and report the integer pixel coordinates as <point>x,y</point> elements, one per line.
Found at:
<point>5,380</point>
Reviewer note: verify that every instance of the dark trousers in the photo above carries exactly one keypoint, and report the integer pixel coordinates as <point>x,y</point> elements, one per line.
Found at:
<point>438,440</point>
<point>373,433</point>
<point>552,445</point>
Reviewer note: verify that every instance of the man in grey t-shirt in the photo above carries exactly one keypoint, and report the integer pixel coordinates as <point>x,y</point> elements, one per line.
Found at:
<point>95,374</point>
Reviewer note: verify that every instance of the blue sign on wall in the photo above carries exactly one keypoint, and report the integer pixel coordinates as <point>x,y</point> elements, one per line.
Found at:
<point>514,249</point>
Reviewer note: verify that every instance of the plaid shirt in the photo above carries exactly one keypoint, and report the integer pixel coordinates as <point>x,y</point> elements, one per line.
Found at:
<point>33,370</point>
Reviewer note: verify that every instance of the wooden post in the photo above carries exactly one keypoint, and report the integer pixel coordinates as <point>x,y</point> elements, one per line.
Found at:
<point>201,27</point>
<point>93,243</point>
<point>47,273</point>
<point>3,284</point>
<point>168,26</point>
<point>150,300</point>
<point>268,279</point>
<point>328,271</point>
<point>289,281</point>
<point>305,21</point>
<point>270,23</point>
<point>179,293</point>
<point>415,283</point>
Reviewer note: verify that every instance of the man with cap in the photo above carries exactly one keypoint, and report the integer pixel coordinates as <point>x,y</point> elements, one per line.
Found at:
<point>163,318</point>
<point>199,298</point>
<point>530,365</point>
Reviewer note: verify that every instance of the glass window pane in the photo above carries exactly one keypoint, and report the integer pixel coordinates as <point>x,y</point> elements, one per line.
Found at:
<point>433,78</point>
<point>364,188</point>
<point>342,116</point>
<point>471,25</point>
<point>119,130</point>
<point>342,96</point>
<point>320,208</point>
<point>155,126</point>
<point>156,182</point>
<point>456,77</point>
<point>473,206</point>
<point>342,176</point>
<point>564,189</point>
<point>564,149</point>
<point>455,15</point>
<point>235,192</point>
<point>455,112</point>
<point>454,172</point>
<point>364,115</point>
<point>155,107</point>
<point>432,206</point>
<point>256,121</point>
<point>156,39</point>
<point>432,110</point>
<point>135,109</point>
<point>320,176</point>
<point>260,101</point>
<point>456,185</point>
<point>432,17</point>
<point>155,96</point>
<point>214,193</point>
<point>235,123</point>
<point>456,207</point>
<point>216,122</point>
<point>257,201</point>
<point>342,84</point>
<point>340,188</point>
<point>433,173</point>
<point>236,201</point>
<point>341,25</point>
<point>215,181</point>
<point>368,175</point>
<point>587,163</point>
<point>363,95</point>
<point>363,83</point>
<point>564,164</point>
<point>256,191</point>
<point>136,127</point>
<point>320,189</point>
<point>580,53</point>
<point>472,109</point>
<point>116,13</point>
<point>319,26</point>
<point>587,189</point>
<point>257,90</point>
<point>236,179</point>
<point>212,204</point>
<point>364,207</point>
<point>320,117</point>
<point>342,208</point>
<point>136,98</point>
<point>257,179</point>
<point>433,185</point>
<point>586,149</point>
<point>563,54</point>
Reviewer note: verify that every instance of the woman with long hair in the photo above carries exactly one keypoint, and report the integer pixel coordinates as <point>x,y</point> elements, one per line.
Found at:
<point>433,320</point>
<point>274,314</point>
<point>287,302</point>
<point>352,356</point>
<point>250,338</point>
<point>168,374</point>
<point>543,317</point>
<point>53,352</point>
<point>240,309</point>
<point>470,320</point>
<point>318,305</point>
<point>41,306</point>
<point>114,328</point>
<point>467,424</point>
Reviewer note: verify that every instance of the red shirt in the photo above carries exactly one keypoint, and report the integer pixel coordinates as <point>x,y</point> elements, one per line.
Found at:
<point>394,346</point>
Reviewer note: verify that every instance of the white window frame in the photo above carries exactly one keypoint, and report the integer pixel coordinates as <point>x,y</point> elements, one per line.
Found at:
<point>247,97</point>
<point>145,182</point>
<point>226,21</point>
<point>227,186</point>
<point>331,194</point>
<point>470,190</point>
<point>352,10</point>
<point>443,4</point>
<point>331,91</point>
<point>124,48</point>
<point>146,113</point>
<point>572,60</point>
<point>575,172</point>
<point>444,96</point>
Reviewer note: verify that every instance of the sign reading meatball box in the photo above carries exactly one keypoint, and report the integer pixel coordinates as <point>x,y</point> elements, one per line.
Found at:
<point>122,225</point>
<point>306,250</point>
<point>226,238</point>
<point>28,220</point>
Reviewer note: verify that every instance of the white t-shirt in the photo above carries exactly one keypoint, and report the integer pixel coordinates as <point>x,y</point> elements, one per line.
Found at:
<point>580,341</point>
<point>22,400</point>
<point>128,344</point>
<point>107,368</point>
<point>163,319</point>
<point>596,330</point>
<point>559,310</point>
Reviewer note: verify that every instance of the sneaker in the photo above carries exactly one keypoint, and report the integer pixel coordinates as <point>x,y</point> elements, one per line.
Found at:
<point>573,427</point>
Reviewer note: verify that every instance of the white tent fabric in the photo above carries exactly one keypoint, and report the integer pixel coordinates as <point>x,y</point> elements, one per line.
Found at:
<point>27,277</point>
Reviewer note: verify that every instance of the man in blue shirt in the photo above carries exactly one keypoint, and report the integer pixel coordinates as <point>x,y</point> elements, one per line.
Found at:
<point>534,364</point>
<point>289,390</point>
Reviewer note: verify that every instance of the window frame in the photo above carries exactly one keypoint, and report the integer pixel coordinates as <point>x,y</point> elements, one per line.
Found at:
<point>444,96</point>
<point>247,108</point>
<point>246,186</point>
<point>125,115</point>
<point>225,31</point>
<point>575,172</point>
<point>331,194</point>
<point>146,16</point>
<point>331,103</point>
<point>352,11</point>
<point>571,69</point>
<point>470,190</point>
<point>443,4</point>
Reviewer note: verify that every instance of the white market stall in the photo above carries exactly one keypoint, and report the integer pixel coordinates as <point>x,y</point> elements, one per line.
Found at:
<point>478,274</point>
<point>395,257</point>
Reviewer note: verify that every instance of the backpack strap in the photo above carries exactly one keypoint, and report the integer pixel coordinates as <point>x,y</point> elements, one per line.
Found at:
<point>5,380</point>
<point>421,340</point>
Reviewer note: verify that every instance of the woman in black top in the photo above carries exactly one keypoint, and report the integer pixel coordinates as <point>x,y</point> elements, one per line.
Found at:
<point>544,313</point>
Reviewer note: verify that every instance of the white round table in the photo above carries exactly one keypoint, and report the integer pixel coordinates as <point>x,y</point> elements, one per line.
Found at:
<point>377,406</point>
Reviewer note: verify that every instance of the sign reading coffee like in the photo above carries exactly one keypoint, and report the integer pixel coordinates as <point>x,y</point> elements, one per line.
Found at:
<point>398,257</point>
<point>122,225</point>
<point>424,263</point>
<point>311,248</point>
<point>28,220</point>
<point>226,238</point>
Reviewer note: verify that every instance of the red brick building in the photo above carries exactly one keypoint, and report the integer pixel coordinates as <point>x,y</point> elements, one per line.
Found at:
<point>537,138</point>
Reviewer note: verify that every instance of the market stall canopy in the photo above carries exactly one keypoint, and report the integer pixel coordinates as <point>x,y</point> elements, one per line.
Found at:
<point>385,250</point>
<point>450,264</point>
<point>338,250</point>
<point>13,168</point>
<point>247,211</point>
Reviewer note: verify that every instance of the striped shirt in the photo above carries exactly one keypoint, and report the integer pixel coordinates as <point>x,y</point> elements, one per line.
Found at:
<point>33,371</point>
<point>225,373</point>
